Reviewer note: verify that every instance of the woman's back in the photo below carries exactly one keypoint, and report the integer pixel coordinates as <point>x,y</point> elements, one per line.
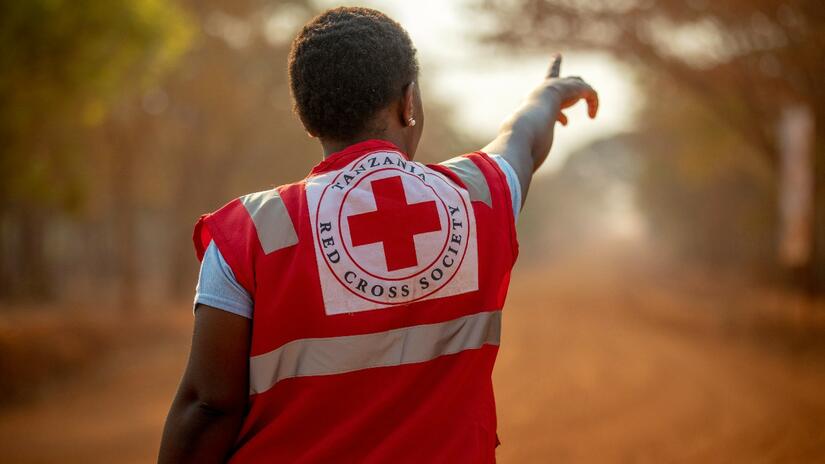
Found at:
<point>375,328</point>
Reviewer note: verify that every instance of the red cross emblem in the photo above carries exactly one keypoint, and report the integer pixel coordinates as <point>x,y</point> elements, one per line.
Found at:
<point>394,223</point>
<point>414,214</point>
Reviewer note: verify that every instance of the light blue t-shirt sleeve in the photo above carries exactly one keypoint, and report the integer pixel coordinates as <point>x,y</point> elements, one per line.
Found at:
<point>512,182</point>
<point>217,286</point>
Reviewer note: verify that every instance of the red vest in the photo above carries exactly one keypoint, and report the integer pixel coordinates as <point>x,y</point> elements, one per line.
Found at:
<point>378,285</point>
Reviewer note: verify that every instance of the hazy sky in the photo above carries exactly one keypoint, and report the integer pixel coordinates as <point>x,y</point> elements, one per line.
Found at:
<point>483,84</point>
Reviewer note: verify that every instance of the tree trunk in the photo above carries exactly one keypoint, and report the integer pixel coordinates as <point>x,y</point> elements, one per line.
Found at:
<point>182,218</point>
<point>796,193</point>
<point>33,271</point>
<point>6,258</point>
<point>816,274</point>
<point>124,154</point>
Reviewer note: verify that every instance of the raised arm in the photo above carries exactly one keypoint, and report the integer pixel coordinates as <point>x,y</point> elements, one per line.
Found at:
<point>526,137</point>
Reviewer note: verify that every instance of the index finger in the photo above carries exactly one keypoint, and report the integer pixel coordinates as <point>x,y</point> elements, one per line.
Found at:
<point>555,67</point>
<point>592,99</point>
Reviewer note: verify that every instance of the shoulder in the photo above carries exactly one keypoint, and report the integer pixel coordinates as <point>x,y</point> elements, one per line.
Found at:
<point>485,176</point>
<point>478,172</point>
<point>270,217</point>
<point>264,212</point>
<point>246,227</point>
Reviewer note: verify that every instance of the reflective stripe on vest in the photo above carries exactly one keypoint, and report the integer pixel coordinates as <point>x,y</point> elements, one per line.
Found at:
<point>271,219</point>
<point>407,345</point>
<point>472,177</point>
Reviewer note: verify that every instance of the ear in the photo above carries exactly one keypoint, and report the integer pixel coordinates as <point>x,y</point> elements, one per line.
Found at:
<point>408,106</point>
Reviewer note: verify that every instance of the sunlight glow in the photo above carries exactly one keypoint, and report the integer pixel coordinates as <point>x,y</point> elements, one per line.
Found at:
<point>483,84</point>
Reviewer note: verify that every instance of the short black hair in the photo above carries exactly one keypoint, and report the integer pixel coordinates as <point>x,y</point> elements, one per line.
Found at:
<point>344,66</point>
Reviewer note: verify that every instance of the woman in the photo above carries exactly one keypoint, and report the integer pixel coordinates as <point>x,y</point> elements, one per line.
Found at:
<point>354,316</point>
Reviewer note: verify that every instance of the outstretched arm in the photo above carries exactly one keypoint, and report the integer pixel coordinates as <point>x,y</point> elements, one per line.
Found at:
<point>526,137</point>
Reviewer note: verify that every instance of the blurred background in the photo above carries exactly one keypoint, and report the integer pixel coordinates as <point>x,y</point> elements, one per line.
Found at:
<point>667,306</point>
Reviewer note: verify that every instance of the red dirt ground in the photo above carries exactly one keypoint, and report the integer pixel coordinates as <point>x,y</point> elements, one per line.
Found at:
<point>600,362</point>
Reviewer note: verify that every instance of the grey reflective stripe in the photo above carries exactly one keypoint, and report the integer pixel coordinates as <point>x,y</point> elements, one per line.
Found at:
<point>472,177</point>
<point>337,355</point>
<point>272,221</point>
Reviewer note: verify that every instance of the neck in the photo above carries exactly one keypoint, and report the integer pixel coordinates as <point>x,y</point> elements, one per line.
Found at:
<point>334,146</point>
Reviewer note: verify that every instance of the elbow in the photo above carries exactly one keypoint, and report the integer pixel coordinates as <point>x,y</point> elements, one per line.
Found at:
<point>222,407</point>
<point>213,404</point>
<point>216,410</point>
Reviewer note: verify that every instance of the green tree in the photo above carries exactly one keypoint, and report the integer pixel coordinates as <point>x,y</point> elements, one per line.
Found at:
<point>63,64</point>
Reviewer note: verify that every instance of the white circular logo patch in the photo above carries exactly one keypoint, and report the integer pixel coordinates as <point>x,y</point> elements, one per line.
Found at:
<point>390,231</point>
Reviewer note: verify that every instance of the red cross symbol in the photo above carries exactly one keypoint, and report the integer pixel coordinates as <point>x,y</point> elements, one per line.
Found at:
<point>394,223</point>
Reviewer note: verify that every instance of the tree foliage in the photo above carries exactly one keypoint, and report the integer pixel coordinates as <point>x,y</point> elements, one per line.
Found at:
<point>716,76</point>
<point>62,64</point>
<point>759,53</point>
<point>124,121</point>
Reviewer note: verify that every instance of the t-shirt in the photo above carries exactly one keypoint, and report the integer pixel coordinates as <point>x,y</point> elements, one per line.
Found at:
<point>218,288</point>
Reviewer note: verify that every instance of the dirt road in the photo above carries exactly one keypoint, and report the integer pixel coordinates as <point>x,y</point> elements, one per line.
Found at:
<point>622,370</point>
<point>598,364</point>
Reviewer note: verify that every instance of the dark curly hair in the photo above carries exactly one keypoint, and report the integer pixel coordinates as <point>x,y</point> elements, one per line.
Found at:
<point>344,66</point>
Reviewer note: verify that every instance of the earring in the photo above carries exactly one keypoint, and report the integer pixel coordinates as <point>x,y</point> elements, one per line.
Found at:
<point>411,122</point>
